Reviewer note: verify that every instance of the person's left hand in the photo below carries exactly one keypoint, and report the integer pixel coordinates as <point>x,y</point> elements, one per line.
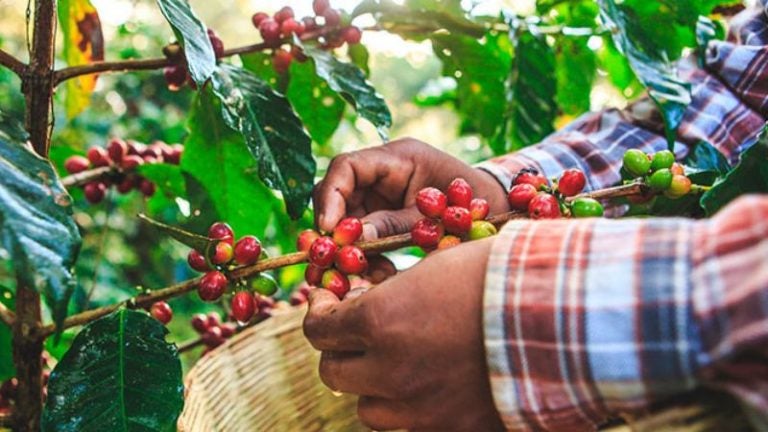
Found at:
<point>412,347</point>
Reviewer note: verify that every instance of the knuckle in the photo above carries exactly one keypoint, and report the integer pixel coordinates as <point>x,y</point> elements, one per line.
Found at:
<point>368,415</point>
<point>312,328</point>
<point>329,372</point>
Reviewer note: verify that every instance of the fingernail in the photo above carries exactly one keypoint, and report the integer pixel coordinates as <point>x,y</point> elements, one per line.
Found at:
<point>370,232</point>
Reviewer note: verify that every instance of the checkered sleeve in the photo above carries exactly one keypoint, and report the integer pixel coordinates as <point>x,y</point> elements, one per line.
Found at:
<point>586,318</point>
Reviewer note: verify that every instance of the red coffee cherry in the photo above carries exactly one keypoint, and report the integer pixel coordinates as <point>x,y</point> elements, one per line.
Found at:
<point>162,312</point>
<point>212,285</point>
<point>291,26</point>
<point>221,231</point>
<point>147,188</point>
<point>332,17</point>
<point>520,195</point>
<point>247,250</point>
<point>199,323</point>
<point>270,30</point>
<point>544,206</point>
<point>322,252</point>
<point>227,330</point>
<point>127,184</point>
<point>130,162</point>
<point>677,169</point>
<point>457,220</point>
<point>98,157</point>
<point>347,231</point>
<point>431,202</point>
<point>305,240</point>
<point>680,186</point>
<point>351,260</point>
<point>297,298</point>
<point>216,43</point>
<point>197,262</point>
<point>175,77</point>
<point>459,193</point>
<point>174,158</point>
<point>222,253</point>
<point>258,17</point>
<point>534,179</point>
<point>117,149</point>
<point>336,282</point>
<point>320,6</point>
<point>572,182</point>
<point>214,320</point>
<point>426,233</point>
<point>212,337</point>
<point>479,209</point>
<point>283,14</point>
<point>76,164</point>
<point>309,24</point>
<point>281,60</point>
<point>314,275</point>
<point>448,241</point>
<point>352,35</point>
<point>95,192</point>
<point>243,306</point>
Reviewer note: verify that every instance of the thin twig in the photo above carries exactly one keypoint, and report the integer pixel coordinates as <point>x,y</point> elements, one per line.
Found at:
<point>6,315</point>
<point>86,176</point>
<point>12,63</point>
<point>614,192</point>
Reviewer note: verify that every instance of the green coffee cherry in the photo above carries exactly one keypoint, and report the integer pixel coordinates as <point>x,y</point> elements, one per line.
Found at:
<point>481,229</point>
<point>264,284</point>
<point>636,162</point>
<point>662,159</point>
<point>586,207</point>
<point>661,179</point>
<point>679,187</point>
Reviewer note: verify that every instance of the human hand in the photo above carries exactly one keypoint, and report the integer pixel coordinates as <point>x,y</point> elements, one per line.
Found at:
<point>412,347</point>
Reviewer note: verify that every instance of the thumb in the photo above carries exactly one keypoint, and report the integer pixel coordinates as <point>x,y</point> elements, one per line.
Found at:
<point>384,223</point>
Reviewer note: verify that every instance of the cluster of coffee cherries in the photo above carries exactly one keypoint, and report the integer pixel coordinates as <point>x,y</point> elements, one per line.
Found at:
<point>283,25</point>
<point>9,388</point>
<point>176,75</point>
<point>450,217</point>
<point>532,193</point>
<point>332,259</point>
<point>659,171</point>
<point>212,331</point>
<point>124,157</point>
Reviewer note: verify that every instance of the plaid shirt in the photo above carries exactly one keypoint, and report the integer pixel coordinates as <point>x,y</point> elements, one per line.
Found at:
<point>587,318</point>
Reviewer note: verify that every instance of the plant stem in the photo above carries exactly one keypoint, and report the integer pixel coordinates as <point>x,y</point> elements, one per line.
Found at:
<point>27,351</point>
<point>38,83</point>
<point>86,176</point>
<point>12,63</point>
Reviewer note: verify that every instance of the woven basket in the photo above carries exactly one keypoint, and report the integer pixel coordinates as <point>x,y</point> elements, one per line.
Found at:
<point>265,379</point>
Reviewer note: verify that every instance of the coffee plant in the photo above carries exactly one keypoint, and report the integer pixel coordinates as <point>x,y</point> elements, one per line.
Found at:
<point>250,120</point>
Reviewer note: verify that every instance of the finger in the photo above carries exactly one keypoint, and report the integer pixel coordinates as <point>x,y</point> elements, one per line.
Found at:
<point>380,268</point>
<point>386,414</point>
<point>334,325</point>
<point>390,222</point>
<point>355,373</point>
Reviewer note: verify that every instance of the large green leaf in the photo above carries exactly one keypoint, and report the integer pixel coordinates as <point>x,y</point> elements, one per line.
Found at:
<point>193,36</point>
<point>417,19</point>
<point>750,175</point>
<point>272,131</point>
<point>216,157</point>
<point>349,81</point>
<point>703,156</point>
<point>319,107</point>
<point>36,221</point>
<point>167,177</point>
<point>119,375</point>
<point>576,69</point>
<point>83,43</point>
<point>7,368</point>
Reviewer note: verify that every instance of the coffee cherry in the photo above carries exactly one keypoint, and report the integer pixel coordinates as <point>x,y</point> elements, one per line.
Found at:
<point>247,250</point>
<point>459,193</point>
<point>532,178</point>
<point>448,241</point>
<point>264,284</point>
<point>677,169</point>
<point>544,206</point>
<point>147,188</point>
<point>98,157</point>
<point>661,160</point>
<point>457,220</point>
<point>314,275</point>
<point>680,186</point>
<point>479,209</point>
<point>258,17</point>
<point>174,157</point>
<point>221,231</point>
<point>283,14</point>
<point>212,337</point>
<point>320,6</point>
<point>161,312</point>
<point>127,184</point>
<point>222,253</point>
<point>347,231</point>
<point>117,149</point>
<point>309,24</point>
<point>660,179</point>
<point>281,61</point>
<point>426,233</point>
<point>227,330</point>
<point>305,240</point>
<point>212,285</point>
<point>481,229</point>
<point>636,162</point>
<point>297,298</point>
<point>76,164</point>
<point>243,306</point>
<point>351,35</point>
<point>95,192</point>
<point>520,195</point>
<point>175,77</point>
<point>216,44</point>
<point>586,207</point>
<point>431,202</point>
<point>130,162</point>
<point>214,320</point>
<point>197,262</point>
<point>571,182</point>
<point>322,252</point>
<point>336,282</point>
<point>351,260</point>
<point>270,30</point>
<point>332,17</point>
<point>291,26</point>
<point>199,323</point>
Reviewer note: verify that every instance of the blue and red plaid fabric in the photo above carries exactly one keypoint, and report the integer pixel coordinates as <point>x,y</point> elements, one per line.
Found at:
<point>585,318</point>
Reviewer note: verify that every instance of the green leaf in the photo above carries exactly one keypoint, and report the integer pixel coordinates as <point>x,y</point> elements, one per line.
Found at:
<point>195,241</point>
<point>193,37</point>
<point>36,221</point>
<point>7,368</point>
<point>750,175</point>
<point>417,19</point>
<point>349,81</point>
<point>272,131</point>
<point>216,158</point>
<point>576,68</point>
<point>319,107</point>
<point>83,44</point>
<point>260,64</point>
<point>167,177</point>
<point>705,157</point>
<point>119,375</point>
<point>617,69</point>
<point>706,30</point>
<point>359,55</point>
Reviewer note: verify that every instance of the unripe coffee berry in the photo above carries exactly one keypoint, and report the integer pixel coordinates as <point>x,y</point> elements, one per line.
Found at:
<point>95,192</point>
<point>677,169</point>
<point>544,206</point>
<point>212,285</point>
<point>322,252</point>
<point>431,202</point>
<point>426,233</point>
<point>221,231</point>
<point>347,231</point>
<point>457,220</point>
<point>459,193</point>
<point>636,162</point>
<point>336,282</point>
<point>481,229</point>
<point>572,182</point>
<point>351,260</point>
<point>661,160</point>
<point>200,323</point>
<point>247,250</point>
<point>448,241</point>
<point>76,164</point>
<point>264,284</point>
<point>162,312</point>
<point>479,209</point>
<point>117,149</point>
<point>680,186</point>
<point>660,179</point>
<point>243,306</point>
<point>222,253</point>
<point>586,207</point>
<point>520,195</point>
<point>314,275</point>
<point>532,178</point>
<point>305,240</point>
<point>197,262</point>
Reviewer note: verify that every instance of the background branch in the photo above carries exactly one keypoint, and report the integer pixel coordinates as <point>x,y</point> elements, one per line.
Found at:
<point>86,176</point>
<point>12,63</point>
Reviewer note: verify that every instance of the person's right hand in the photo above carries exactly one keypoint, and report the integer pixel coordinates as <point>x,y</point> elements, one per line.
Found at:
<point>379,185</point>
